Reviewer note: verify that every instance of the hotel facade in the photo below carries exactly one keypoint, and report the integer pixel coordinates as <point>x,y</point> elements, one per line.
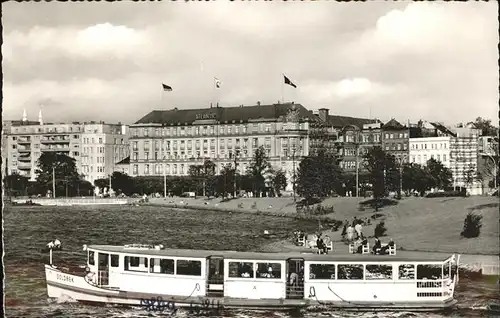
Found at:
<point>169,142</point>
<point>95,146</point>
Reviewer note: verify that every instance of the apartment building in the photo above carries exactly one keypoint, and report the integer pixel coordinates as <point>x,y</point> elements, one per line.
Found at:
<point>356,142</point>
<point>170,141</point>
<point>395,140</point>
<point>430,140</point>
<point>464,159</point>
<point>94,146</point>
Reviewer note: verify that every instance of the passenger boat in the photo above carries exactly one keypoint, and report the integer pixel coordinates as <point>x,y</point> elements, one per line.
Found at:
<point>152,276</point>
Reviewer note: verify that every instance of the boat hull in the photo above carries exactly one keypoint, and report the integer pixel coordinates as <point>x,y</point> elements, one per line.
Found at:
<point>78,288</point>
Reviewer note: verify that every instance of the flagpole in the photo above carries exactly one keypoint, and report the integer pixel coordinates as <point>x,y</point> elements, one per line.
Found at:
<point>282,88</point>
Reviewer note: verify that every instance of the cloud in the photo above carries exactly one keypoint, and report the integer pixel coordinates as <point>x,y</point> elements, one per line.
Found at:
<point>417,60</point>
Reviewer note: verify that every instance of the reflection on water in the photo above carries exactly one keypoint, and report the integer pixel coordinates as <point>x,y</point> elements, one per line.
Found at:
<point>28,229</point>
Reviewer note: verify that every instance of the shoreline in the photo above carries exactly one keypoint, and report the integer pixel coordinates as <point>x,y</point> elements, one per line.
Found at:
<point>474,263</point>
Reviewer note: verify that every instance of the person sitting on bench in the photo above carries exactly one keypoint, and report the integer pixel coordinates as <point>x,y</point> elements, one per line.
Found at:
<point>376,246</point>
<point>385,249</point>
<point>321,245</point>
<point>364,241</point>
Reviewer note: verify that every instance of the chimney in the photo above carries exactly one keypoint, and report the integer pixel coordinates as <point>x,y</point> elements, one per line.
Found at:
<point>258,103</point>
<point>323,114</point>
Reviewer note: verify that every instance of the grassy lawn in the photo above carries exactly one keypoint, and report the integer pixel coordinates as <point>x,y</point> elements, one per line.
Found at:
<point>416,224</point>
<point>429,224</point>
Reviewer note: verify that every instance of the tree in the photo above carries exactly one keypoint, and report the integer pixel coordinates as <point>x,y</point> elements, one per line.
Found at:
<point>205,174</point>
<point>257,168</point>
<point>225,180</point>
<point>319,175</point>
<point>64,167</point>
<point>122,183</point>
<point>16,184</point>
<point>417,178</point>
<point>383,173</point>
<point>441,176</point>
<point>487,129</point>
<point>278,181</point>
<point>101,183</point>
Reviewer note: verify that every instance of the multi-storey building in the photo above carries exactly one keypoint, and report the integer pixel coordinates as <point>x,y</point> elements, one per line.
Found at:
<point>356,142</point>
<point>430,140</point>
<point>463,158</point>
<point>94,146</point>
<point>488,160</point>
<point>395,140</point>
<point>169,142</point>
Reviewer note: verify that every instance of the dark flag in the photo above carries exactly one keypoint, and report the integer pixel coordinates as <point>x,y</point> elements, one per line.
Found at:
<point>289,82</point>
<point>166,88</point>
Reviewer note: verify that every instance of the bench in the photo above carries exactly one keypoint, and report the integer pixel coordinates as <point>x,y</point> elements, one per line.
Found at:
<point>364,250</point>
<point>391,250</point>
<point>301,241</point>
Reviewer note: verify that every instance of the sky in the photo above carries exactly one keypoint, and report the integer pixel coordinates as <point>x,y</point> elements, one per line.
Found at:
<point>107,61</point>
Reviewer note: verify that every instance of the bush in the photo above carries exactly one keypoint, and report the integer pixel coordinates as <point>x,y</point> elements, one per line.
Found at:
<point>472,225</point>
<point>254,205</point>
<point>317,210</point>
<point>380,229</point>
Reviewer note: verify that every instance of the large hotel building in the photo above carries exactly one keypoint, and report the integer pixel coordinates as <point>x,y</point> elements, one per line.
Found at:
<point>95,146</point>
<point>169,142</point>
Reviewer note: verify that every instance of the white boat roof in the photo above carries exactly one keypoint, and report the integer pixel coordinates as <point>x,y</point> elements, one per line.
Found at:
<point>281,256</point>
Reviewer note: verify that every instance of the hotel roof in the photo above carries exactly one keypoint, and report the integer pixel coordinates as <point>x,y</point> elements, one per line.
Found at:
<point>343,121</point>
<point>228,114</point>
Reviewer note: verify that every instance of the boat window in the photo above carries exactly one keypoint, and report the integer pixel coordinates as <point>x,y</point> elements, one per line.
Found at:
<point>191,268</point>
<point>268,270</point>
<point>243,269</point>
<point>91,258</point>
<point>446,270</point>
<point>378,272</point>
<point>133,261</point>
<point>162,266</point>
<point>429,271</point>
<point>350,271</point>
<point>103,259</point>
<point>406,271</point>
<point>115,260</point>
<point>322,271</point>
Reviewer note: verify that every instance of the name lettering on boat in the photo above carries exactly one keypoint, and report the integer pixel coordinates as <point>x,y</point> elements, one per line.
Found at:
<point>158,304</point>
<point>64,278</point>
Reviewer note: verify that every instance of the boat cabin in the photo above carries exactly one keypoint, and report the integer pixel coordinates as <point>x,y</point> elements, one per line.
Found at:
<point>336,278</point>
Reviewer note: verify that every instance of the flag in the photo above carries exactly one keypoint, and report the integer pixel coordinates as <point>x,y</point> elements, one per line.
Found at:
<point>166,88</point>
<point>218,83</point>
<point>289,82</point>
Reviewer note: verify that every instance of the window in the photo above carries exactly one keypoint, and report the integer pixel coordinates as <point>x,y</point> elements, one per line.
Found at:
<point>322,271</point>
<point>444,157</point>
<point>348,271</point>
<point>191,268</point>
<point>429,272</point>
<point>162,266</point>
<point>115,260</point>
<point>146,169</point>
<point>378,272</point>
<point>406,271</point>
<point>91,258</point>
<point>268,270</point>
<point>135,169</point>
<point>100,140</point>
<point>241,270</point>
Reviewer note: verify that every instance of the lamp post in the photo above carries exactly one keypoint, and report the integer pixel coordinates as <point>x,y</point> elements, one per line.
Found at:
<point>164,177</point>
<point>294,176</point>
<point>236,154</point>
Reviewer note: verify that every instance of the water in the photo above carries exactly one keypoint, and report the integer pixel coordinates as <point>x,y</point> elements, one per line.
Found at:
<point>28,229</point>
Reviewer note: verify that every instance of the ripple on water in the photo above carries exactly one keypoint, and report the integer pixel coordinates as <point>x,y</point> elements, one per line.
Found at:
<point>28,229</point>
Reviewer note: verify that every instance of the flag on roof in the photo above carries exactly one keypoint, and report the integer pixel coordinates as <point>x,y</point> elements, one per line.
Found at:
<point>217,82</point>
<point>166,88</point>
<point>289,82</point>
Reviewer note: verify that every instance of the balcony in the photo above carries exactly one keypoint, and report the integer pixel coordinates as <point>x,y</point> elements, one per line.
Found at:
<point>23,149</point>
<point>52,140</point>
<point>24,159</point>
<point>23,141</point>
<point>24,165</point>
<point>52,148</point>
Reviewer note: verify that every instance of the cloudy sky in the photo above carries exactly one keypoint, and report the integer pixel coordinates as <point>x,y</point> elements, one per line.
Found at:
<point>106,61</point>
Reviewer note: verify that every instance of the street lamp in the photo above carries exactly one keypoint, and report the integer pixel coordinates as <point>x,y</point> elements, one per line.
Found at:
<point>401,160</point>
<point>236,154</point>
<point>356,144</point>
<point>293,167</point>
